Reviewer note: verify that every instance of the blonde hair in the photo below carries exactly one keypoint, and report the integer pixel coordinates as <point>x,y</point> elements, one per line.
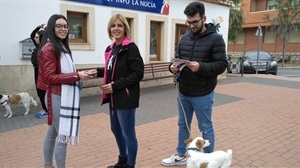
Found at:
<point>123,20</point>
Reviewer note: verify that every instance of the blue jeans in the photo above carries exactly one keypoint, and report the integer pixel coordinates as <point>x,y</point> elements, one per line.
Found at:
<point>122,122</point>
<point>50,145</point>
<point>202,105</point>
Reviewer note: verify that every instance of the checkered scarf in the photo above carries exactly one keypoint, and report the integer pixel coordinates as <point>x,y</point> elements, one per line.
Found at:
<point>70,107</point>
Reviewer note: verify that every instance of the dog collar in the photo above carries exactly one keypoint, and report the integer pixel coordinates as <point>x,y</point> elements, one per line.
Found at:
<point>195,149</point>
<point>5,102</point>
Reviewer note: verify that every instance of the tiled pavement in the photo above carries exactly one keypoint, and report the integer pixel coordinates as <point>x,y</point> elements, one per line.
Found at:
<point>257,116</point>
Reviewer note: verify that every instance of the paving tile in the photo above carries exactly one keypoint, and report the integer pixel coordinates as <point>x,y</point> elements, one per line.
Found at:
<point>257,116</point>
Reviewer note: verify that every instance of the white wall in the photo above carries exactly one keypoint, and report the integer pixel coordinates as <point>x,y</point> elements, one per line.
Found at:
<point>213,11</point>
<point>19,18</point>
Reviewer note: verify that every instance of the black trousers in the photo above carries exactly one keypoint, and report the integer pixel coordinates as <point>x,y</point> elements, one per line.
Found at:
<point>41,93</point>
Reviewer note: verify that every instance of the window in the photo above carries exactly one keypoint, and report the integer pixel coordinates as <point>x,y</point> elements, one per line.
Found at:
<point>271,5</point>
<point>178,28</point>
<point>130,22</point>
<point>77,27</point>
<point>132,19</point>
<point>253,5</point>
<point>155,35</point>
<point>156,45</point>
<point>294,37</point>
<point>269,37</point>
<point>240,38</point>
<point>81,26</point>
<point>181,29</point>
<point>258,5</point>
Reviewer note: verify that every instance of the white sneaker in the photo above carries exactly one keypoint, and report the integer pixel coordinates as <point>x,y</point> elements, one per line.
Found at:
<point>174,160</point>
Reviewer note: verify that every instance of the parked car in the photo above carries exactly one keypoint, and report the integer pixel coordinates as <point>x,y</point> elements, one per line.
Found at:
<point>229,64</point>
<point>266,63</point>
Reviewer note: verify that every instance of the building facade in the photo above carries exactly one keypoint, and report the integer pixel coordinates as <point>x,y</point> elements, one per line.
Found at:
<point>156,27</point>
<point>255,13</point>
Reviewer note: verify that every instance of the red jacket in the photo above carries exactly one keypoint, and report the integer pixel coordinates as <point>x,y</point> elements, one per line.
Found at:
<point>50,72</point>
<point>50,76</point>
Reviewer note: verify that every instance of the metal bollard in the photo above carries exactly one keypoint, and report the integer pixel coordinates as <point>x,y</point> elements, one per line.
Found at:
<point>242,60</point>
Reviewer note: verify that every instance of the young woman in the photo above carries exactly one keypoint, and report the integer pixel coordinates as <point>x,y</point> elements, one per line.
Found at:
<point>121,89</point>
<point>58,72</point>
<point>36,37</point>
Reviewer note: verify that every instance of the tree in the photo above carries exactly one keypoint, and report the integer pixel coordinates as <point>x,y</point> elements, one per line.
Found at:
<point>236,20</point>
<point>287,20</point>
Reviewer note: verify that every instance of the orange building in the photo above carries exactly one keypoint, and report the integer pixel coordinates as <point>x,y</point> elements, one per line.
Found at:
<point>254,13</point>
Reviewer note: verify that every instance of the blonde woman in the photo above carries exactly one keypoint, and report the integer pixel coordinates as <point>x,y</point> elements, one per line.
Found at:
<point>121,89</point>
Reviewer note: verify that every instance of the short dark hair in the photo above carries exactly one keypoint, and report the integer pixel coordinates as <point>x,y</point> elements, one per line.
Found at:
<point>193,8</point>
<point>41,34</point>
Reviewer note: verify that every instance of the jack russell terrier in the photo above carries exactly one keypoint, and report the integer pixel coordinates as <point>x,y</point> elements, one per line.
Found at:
<point>7,101</point>
<point>198,159</point>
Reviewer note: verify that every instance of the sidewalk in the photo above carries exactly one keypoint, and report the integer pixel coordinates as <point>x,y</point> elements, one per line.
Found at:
<point>257,116</point>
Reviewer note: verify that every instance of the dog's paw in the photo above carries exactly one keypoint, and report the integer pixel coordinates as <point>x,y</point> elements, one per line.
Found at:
<point>9,116</point>
<point>5,115</point>
<point>25,113</point>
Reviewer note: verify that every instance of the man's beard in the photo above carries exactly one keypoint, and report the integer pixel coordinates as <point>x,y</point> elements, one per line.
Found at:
<point>199,30</point>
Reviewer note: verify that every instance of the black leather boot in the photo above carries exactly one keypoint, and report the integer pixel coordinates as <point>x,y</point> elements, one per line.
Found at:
<point>128,166</point>
<point>122,163</point>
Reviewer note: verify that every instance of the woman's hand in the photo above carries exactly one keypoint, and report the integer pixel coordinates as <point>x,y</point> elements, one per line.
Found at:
<point>107,89</point>
<point>92,73</point>
<point>83,75</point>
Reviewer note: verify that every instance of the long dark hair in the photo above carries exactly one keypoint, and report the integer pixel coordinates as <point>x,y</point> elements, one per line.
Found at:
<point>56,41</point>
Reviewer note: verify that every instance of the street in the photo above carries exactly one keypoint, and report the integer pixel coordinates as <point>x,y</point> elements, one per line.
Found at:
<point>257,116</point>
<point>288,72</point>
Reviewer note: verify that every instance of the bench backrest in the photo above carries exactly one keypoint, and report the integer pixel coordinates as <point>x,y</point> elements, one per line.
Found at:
<point>158,70</point>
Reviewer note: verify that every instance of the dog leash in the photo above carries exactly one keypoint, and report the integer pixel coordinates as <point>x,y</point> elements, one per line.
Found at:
<point>177,79</point>
<point>194,149</point>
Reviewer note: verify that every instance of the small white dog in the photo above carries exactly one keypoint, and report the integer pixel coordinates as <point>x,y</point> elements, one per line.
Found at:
<point>7,101</point>
<point>198,159</point>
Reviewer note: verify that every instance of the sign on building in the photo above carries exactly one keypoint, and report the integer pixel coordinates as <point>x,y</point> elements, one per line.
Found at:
<point>155,6</point>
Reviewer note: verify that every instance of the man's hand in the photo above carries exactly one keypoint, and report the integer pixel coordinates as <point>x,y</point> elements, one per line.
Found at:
<point>174,68</point>
<point>193,65</point>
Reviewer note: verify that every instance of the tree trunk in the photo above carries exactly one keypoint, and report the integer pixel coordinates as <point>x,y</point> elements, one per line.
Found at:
<point>283,50</point>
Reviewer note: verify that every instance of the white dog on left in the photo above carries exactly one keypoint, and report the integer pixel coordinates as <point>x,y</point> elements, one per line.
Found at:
<point>7,101</point>
<point>197,159</point>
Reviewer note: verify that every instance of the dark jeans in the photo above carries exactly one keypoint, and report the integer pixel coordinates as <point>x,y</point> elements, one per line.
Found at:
<point>201,106</point>
<point>122,122</point>
<point>41,93</point>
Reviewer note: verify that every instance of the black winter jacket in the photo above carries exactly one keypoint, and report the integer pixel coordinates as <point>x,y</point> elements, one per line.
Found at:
<point>127,72</point>
<point>34,57</point>
<point>208,49</point>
